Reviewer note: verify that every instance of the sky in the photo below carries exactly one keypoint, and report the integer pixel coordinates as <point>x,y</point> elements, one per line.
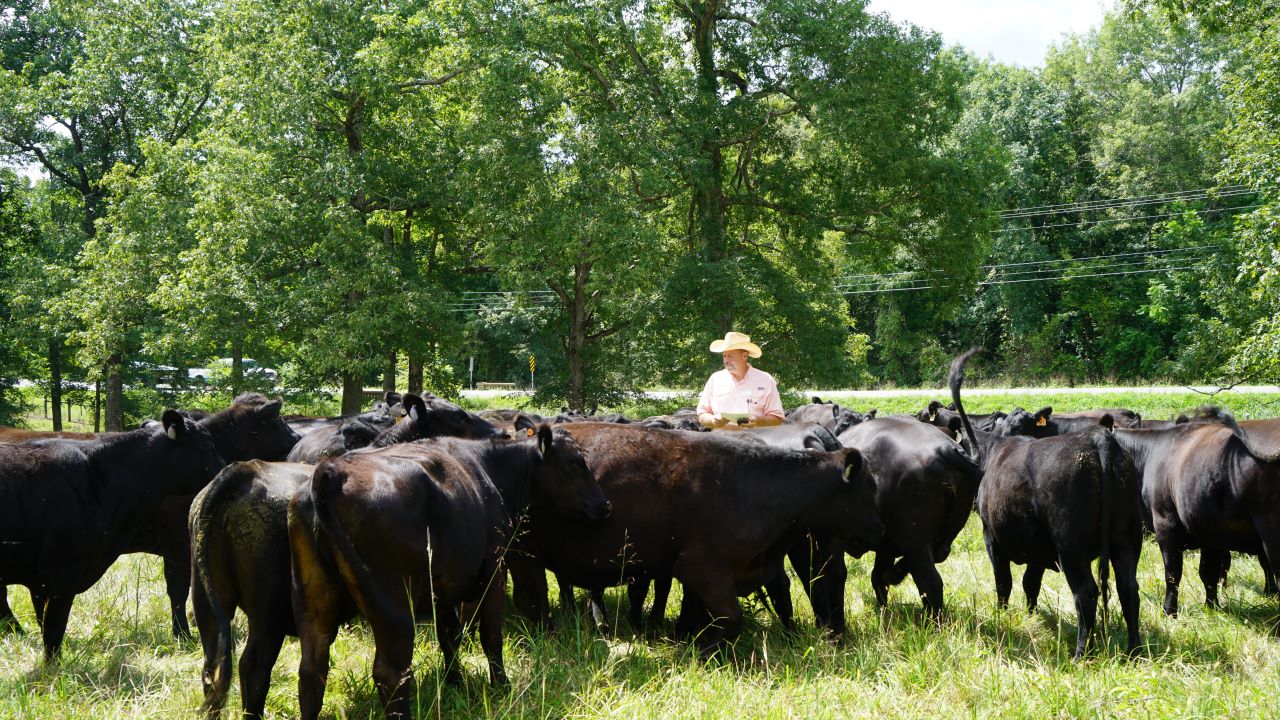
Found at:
<point>1016,32</point>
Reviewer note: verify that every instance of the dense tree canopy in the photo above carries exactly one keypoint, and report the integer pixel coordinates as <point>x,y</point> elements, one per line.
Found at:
<point>348,190</point>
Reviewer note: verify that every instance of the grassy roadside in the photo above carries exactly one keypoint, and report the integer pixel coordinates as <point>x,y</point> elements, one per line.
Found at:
<point>120,662</point>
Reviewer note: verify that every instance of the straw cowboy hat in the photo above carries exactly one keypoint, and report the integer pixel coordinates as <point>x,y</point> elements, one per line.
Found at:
<point>736,341</point>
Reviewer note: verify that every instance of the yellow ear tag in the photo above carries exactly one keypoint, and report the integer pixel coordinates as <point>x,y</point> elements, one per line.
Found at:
<point>529,431</point>
<point>1042,422</point>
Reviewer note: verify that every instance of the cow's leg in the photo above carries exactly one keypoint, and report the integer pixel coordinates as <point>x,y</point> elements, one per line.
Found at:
<point>1269,587</point>
<point>53,613</point>
<point>567,600</point>
<point>1124,561</point>
<point>661,592</point>
<point>822,573</point>
<point>693,616</point>
<point>216,674</point>
<point>529,587</point>
<point>636,591</point>
<point>1172,576</point>
<point>449,634</point>
<point>316,606</point>
<point>999,568</point>
<point>8,621</point>
<point>261,650</point>
<point>715,593</point>
<point>491,629</point>
<point>1211,562</point>
<point>393,658</point>
<point>177,584</point>
<point>1031,580</point>
<point>175,552</point>
<point>919,561</point>
<point>880,577</point>
<point>595,599</point>
<point>1079,574</point>
<point>779,591</point>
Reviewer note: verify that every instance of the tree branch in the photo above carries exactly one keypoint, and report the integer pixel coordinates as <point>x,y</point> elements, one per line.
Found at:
<point>414,85</point>
<point>738,17</point>
<point>608,331</point>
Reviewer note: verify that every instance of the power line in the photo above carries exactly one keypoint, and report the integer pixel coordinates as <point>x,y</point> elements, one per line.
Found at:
<point>1026,280</point>
<point>1056,226</point>
<point>1130,201</point>
<point>1056,261</point>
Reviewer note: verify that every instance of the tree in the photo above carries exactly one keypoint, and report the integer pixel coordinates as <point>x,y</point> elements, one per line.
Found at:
<point>767,139</point>
<point>77,97</point>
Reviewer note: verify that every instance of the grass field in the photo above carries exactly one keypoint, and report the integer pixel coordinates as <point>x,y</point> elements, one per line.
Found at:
<point>119,660</point>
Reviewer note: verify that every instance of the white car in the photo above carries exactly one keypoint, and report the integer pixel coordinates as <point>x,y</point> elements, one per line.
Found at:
<point>249,365</point>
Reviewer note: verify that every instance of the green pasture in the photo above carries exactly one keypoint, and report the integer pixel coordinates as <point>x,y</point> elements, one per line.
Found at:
<point>119,660</point>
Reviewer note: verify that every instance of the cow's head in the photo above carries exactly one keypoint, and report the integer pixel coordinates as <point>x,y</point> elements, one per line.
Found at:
<point>864,528</point>
<point>183,452</point>
<point>430,416</point>
<point>251,429</point>
<point>563,479</point>
<point>1021,422</point>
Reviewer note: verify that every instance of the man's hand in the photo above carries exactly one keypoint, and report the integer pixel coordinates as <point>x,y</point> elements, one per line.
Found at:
<point>712,421</point>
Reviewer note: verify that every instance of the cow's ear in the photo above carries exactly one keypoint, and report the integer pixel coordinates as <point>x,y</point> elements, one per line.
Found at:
<point>813,442</point>
<point>413,405</point>
<point>174,424</point>
<point>816,400</point>
<point>525,424</point>
<point>544,440</point>
<point>869,414</point>
<point>1042,416</point>
<point>271,410</point>
<point>391,397</point>
<point>852,464</point>
<point>1107,421</point>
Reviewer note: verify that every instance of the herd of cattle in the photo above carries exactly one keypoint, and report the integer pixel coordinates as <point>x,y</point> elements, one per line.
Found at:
<point>419,510</point>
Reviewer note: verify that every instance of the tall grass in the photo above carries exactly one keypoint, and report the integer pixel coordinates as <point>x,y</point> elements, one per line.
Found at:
<point>119,660</point>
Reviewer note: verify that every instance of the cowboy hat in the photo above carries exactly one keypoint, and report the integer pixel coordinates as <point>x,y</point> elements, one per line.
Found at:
<point>736,341</point>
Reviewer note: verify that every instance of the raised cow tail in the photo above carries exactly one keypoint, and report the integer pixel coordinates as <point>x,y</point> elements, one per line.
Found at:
<point>1266,455</point>
<point>206,506</point>
<point>1105,445</point>
<point>955,378</point>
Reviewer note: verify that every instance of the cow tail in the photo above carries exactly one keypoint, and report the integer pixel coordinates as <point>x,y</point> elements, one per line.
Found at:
<point>1105,445</point>
<point>208,505</point>
<point>955,378</point>
<point>326,486</point>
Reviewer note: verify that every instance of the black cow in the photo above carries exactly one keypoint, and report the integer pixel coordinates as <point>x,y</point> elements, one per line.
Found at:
<point>789,436</point>
<point>430,416</point>
<point>828,414</point>
<point>1043,423</point>
<point>228,554</point>
<point>1057,503</point>
<point>69,509</point>
<point>1213,486</point>
<point>251,427</point>
<point>330,437</point>
<point>427,524</point>
<point>708,509</point>
<point>949,420</point>
<point>240,547</point>
<point>925,489</point>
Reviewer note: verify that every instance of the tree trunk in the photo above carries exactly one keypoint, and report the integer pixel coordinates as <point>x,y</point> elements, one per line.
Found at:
<point>237,367</point>
<point>352,387</point>
<point>579,322</point>
<point>113,414</point>
<point>55,380</point>
<point>415,374</point>
<point>97,406</point>
<point>708,177</point>
<point>389,373</point>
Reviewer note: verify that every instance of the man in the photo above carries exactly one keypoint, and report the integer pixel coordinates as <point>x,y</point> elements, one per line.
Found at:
<point>739,390</point>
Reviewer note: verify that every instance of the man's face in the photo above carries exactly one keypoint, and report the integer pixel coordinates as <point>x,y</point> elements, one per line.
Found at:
<point>735,361</point>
